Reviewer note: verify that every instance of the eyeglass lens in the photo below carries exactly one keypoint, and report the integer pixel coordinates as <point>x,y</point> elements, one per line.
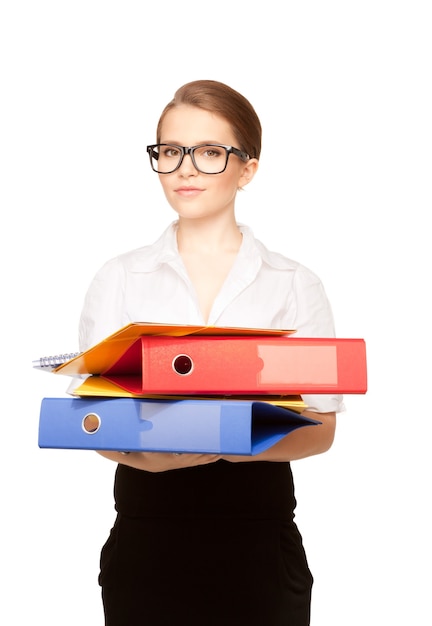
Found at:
<point>206,159</point>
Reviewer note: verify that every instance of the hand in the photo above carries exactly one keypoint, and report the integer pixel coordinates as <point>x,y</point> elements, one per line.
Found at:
<point>163,461</point>
<point>160,461</point>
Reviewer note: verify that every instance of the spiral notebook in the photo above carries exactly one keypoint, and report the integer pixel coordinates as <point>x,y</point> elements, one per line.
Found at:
<point>133,330</point>
<point>50,363</point>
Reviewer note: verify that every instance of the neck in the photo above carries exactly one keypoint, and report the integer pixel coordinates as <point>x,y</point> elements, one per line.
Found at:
<point>210,236</point>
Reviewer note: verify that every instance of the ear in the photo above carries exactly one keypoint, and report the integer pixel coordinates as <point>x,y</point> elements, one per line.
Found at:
<point>249,170</point>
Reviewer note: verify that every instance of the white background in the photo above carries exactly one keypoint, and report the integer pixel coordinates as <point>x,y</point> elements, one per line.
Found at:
<point>343,90</point>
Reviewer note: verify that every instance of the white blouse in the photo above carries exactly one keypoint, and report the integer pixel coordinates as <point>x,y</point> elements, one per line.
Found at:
<point>263,290</point>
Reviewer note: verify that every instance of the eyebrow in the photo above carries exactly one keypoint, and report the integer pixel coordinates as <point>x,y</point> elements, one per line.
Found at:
<point>206,142</point>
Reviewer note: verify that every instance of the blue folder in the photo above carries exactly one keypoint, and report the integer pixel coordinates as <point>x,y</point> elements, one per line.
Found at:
<point>186,425</point>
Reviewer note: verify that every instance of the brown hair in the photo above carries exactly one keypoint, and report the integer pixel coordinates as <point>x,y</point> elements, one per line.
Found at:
<point>218,98</point>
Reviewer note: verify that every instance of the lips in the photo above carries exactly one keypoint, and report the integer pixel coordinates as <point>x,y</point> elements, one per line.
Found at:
<point>188,191</point>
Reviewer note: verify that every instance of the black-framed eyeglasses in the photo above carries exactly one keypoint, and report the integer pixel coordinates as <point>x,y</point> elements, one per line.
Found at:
<point>210,158</point>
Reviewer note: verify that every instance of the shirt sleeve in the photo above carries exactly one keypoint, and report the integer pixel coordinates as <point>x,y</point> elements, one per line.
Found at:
<point>102,313</point>
<point>314,318</point>
<point>103,309</point>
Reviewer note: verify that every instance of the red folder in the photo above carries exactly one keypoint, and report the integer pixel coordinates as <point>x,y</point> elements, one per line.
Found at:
<point>227,364</point>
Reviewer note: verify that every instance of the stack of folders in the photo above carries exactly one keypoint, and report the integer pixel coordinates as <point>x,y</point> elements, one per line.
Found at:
<point>176,388</point>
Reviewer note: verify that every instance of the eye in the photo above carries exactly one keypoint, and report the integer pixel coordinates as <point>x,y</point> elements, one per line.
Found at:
<point>170,152</point>
<point>210,152</point>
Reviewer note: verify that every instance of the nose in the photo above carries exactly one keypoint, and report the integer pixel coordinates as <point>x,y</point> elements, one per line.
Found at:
<point>187,168</point>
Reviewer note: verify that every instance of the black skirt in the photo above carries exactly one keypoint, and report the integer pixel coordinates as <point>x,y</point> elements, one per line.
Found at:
<point>210,545</point>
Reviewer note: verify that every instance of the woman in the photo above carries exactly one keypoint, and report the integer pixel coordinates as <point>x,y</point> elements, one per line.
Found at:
<point>203,539</point>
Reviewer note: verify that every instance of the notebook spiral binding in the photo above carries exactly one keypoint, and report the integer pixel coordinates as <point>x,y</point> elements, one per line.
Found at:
<point>51,362</point>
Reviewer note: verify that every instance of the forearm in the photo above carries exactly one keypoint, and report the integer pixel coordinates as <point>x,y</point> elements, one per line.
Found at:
<point>299,444</point>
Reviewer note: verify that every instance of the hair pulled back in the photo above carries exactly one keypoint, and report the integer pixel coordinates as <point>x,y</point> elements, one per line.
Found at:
<point>218,98</point>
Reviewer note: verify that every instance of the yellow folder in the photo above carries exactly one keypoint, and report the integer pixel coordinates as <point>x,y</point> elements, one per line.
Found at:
<point>104,354</point>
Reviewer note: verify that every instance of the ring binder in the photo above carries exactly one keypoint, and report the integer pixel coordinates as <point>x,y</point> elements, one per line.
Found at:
<point>187,425</point>
<point>144,359</point>
<point>217,365</point>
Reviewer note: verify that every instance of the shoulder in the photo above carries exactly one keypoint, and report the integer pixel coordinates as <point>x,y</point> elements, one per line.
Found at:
<point>279,261</point>
<point>146,258</point>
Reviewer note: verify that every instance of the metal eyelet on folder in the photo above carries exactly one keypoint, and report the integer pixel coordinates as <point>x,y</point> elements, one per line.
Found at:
<point>182,364</point>
<point>91,423</point>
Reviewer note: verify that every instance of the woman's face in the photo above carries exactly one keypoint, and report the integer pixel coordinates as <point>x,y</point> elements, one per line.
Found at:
<point>189,192</point>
